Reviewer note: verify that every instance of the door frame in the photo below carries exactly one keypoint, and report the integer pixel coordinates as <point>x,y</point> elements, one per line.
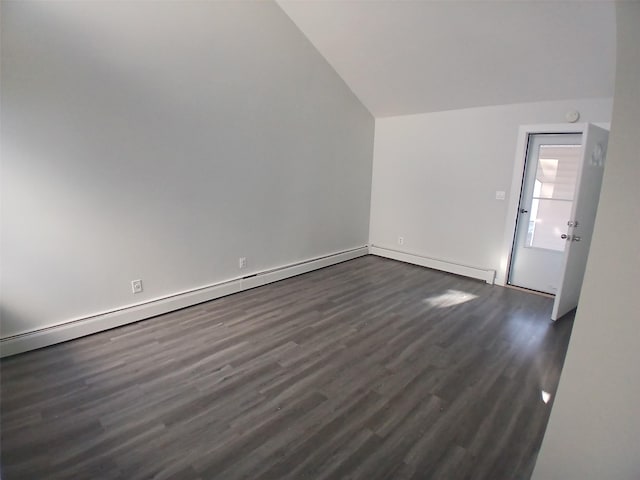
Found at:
<point>538,268</point>
<point>516,185</point>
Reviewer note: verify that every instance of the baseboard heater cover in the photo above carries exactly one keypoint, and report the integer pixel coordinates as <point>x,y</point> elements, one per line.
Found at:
<point>104,321</point>
<point>445,266</point>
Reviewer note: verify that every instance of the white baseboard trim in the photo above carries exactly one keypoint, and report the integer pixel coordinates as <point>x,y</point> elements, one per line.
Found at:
<point>464,270</point>
<point>105,321</point>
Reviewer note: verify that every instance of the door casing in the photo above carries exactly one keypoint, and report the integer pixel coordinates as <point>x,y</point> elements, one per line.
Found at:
<point>516,185</point>
<point>536,268</point>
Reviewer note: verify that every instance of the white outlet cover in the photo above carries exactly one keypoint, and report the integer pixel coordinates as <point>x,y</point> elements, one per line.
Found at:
<point>136,286</point>
<point>500,195</point>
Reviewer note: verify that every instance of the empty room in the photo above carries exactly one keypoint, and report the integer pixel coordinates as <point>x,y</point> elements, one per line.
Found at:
<point>324,239</point>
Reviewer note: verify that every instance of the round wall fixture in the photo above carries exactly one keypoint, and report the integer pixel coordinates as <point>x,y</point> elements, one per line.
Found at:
<point>572,116</point>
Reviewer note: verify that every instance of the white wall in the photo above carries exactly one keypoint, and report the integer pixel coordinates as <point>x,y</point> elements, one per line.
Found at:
<point>435,177</point>
<point>162,141</point>
<point>594,429</point>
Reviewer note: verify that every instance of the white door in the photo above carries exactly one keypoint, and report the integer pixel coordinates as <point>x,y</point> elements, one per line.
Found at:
<point>548,190</point>
<point>579,229</point>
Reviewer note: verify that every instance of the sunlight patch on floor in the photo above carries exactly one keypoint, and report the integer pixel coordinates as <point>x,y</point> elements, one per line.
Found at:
<point>450,298</point>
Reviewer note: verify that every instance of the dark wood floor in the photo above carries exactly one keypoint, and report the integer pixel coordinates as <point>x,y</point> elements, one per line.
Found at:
<point>371,369</point>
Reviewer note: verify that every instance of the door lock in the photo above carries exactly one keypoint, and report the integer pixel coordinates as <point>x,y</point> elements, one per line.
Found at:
<point>570,238</point>
<point>522,210</point>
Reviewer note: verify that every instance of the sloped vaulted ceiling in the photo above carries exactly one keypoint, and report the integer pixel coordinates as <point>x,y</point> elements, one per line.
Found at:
<point>403,57</point>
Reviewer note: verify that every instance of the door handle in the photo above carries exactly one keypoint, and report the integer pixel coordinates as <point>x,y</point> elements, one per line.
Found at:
<point>564,236</point>
<point>522,210</point>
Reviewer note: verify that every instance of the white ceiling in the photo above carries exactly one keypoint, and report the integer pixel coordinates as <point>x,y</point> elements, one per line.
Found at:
<point>402,57</point>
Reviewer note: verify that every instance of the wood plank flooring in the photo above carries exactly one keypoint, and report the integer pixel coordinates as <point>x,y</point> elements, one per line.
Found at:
<point>370,369</point>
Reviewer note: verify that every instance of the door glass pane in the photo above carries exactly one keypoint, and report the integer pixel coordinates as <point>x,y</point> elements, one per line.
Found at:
<point>547,222</point>
<point>557,171</point>
<point>553,192</point>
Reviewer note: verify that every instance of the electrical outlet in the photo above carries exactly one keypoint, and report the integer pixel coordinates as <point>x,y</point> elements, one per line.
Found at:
<point>400,240</point>
<point>136,286</point>
<point>500,195</point>
<point>242,262</point>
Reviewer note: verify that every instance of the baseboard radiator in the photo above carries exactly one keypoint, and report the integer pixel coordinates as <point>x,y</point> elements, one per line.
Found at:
<point>445,266</point>
<point>104,321</point>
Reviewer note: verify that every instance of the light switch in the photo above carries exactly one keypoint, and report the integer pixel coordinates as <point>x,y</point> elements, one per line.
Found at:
<point>499,195</point>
